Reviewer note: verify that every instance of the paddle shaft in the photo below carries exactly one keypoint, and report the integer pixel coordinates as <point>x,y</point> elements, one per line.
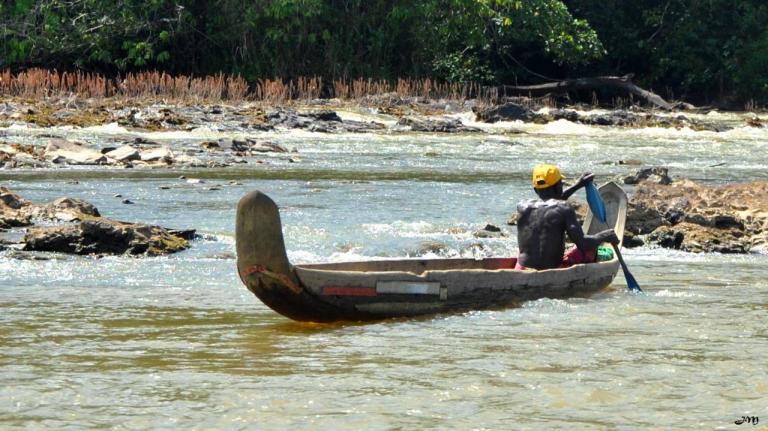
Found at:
<point>631,283</point>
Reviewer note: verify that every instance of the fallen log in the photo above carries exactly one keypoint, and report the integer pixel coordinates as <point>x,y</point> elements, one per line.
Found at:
<point>615,82</point>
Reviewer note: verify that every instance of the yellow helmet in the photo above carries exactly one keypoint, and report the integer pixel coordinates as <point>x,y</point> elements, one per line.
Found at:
<point>546,176</point>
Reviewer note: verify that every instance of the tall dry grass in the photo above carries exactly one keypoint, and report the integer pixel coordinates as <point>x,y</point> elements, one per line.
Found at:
<point>153,85</point>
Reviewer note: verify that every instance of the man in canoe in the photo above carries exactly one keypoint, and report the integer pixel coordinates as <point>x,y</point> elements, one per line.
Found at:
<point>543,223</point>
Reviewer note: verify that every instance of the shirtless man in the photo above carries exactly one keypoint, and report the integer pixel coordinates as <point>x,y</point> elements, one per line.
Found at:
<point>542,224</point>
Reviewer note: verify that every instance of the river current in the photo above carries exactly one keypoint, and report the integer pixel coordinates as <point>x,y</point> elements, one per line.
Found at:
<point>177,342</point>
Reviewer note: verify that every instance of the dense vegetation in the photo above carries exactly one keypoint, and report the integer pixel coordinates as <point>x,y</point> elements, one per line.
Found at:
<point>698,50</point>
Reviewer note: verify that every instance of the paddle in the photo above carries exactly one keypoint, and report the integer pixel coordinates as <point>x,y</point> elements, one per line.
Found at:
<point>597,207</point>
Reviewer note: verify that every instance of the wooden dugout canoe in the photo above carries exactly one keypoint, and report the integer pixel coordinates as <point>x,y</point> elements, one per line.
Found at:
<point>406,287</point>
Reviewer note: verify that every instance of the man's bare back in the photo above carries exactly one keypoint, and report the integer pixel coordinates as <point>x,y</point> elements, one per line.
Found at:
<point>541,227</point>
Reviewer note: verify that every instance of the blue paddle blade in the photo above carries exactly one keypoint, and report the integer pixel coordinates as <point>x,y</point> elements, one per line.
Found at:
<point>597,207</point>
<point>631,282</point>
<point>595,201</point>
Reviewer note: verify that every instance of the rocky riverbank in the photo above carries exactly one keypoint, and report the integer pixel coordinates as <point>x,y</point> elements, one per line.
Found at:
<point>75,226</point>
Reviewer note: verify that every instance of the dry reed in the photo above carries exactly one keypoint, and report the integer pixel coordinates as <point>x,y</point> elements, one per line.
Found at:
<point>152,85</point>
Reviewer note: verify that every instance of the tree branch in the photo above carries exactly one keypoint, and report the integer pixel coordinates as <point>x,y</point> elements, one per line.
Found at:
<point>616,82</point>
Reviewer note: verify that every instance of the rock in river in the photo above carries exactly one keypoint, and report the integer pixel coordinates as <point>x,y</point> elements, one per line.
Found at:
<point>12,210</point>
<point>656,174</point>
<point>505,112</point>
<point>125,153</point>
<point>439,125</point>
<point>693,217</point>
<point>62,151</point>
<point>104,236</point>
<point>84,230</point>
<point>158,155</point>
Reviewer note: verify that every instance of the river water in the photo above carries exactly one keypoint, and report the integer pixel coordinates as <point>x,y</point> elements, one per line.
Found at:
<point>178,342</point>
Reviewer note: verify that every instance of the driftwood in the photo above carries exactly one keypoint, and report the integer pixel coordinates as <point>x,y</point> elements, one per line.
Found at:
<point>616,82</point>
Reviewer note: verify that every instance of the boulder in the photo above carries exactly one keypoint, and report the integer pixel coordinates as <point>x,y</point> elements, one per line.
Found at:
<point>11,201</point>
<point>66,210</point>
<point>565,114</point>
<point>489,231</point>
<point>104,236</point>
<point>325,115</point>
<point>125,153</point>
<point>439,126</point>
<point>13,210</point>
<point>7,149</point>
<point>657,174</point>
<point>243,147</point>
<point>697,238</point>
<point>505,112</point>
<point>72,153</point>
<point>157,155</point>
<point>324,121</point>
<point>430,247</point>
<point>84,230</point>
<point>267,147</point>
<point>288,118</point>
<point>190,161</point>
<point>631,240</point>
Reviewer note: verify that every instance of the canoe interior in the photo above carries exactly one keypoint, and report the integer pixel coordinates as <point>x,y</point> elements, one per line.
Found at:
<point>615,201</point>
<point>415,266</point>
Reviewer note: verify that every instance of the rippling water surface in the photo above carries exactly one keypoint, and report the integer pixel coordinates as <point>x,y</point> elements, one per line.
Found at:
<point>177,342</point>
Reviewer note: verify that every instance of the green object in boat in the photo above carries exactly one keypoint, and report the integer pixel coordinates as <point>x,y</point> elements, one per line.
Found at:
<point>604,253</point>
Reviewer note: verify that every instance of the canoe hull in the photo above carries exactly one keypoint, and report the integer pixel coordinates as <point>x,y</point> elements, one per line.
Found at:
<point>324,295</point>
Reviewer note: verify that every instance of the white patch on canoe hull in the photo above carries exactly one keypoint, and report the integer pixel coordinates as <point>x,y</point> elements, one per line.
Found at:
<point>408,288</point>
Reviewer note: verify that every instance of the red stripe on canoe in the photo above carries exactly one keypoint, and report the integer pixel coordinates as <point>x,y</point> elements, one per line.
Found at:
<point>350,291</point>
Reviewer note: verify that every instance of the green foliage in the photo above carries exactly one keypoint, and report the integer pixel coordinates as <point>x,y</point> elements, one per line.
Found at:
<point>458,39</point>
<point>461,67</point>
<point>86,33</point>
<point>704,51</point>
<point>701,50</point>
